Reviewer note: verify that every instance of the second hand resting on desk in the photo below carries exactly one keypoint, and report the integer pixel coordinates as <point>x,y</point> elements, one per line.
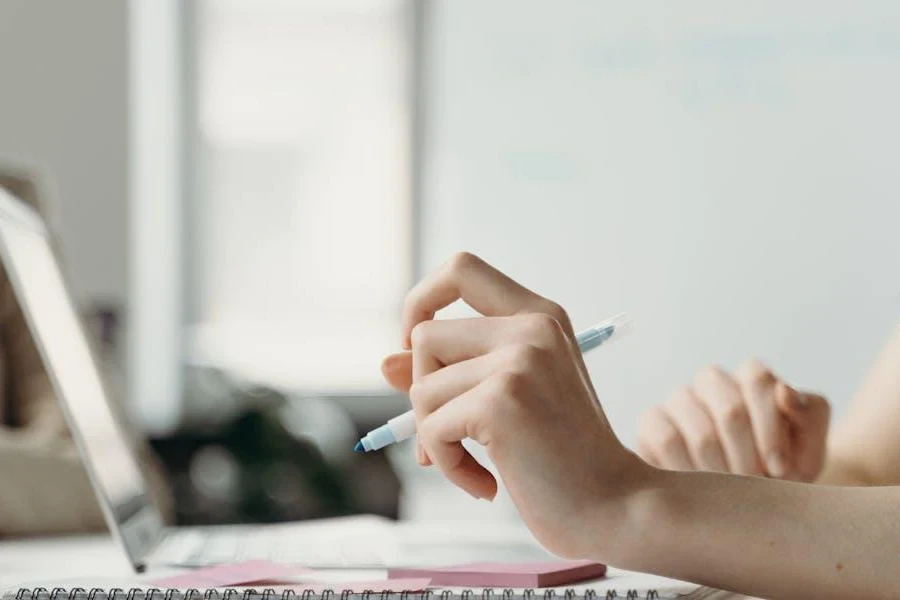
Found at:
<point>404,426</point>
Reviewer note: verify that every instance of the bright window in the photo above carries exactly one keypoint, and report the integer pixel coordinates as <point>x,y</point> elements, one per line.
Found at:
<point>301,229</point>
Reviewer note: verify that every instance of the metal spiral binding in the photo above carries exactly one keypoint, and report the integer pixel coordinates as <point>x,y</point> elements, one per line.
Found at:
<point>58,593</point>
<point>230,592</point>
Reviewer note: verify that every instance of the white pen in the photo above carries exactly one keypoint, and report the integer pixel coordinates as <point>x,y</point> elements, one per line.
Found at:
<point>404,426</point>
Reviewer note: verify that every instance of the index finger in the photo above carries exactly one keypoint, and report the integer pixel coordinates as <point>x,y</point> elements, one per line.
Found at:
<point>466,277</point>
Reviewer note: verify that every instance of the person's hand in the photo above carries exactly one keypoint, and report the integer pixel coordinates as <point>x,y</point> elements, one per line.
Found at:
<point>514,382</point>
<point>750,423</point>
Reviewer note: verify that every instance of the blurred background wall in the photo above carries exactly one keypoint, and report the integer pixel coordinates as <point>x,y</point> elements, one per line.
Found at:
<point>725,173</point>
<point>64,114</point>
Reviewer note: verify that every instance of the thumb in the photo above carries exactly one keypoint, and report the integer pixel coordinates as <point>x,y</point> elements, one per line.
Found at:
<point>803,410</point>
<point>397,370</point>
<point>808,415</point>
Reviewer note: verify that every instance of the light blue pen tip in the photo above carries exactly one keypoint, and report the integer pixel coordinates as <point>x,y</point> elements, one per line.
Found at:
<point>359,447</point>
<point>595,337</point>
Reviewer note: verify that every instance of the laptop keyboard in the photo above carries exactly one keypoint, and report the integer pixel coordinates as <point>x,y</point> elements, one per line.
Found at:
<point>353,542</point>
<point>224,545</point>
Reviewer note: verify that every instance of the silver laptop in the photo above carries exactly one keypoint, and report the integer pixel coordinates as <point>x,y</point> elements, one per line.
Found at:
<point>106,450</point>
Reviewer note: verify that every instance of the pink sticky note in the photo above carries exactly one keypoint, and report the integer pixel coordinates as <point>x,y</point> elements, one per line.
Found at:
<point>233,574</point>
<point>534,574</point>
<point>417,584</point>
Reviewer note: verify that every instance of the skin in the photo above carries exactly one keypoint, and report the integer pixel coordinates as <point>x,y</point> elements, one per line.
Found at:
<point>752,422</point>
<point>514,382</point>
<point>749,423</point>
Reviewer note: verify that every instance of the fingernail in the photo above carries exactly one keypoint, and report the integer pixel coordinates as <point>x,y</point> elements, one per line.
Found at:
<point>420,453</point>
<point>775,465</point>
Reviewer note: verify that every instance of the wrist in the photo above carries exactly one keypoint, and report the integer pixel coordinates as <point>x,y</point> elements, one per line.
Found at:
<point>620,515</point>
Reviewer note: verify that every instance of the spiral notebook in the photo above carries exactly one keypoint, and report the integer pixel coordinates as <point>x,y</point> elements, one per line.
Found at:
<point>617,584</point>
<point>338,594</point>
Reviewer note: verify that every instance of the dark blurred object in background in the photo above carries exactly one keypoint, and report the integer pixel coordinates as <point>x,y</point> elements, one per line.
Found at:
<point>270,457</point>
<point>249,453</point>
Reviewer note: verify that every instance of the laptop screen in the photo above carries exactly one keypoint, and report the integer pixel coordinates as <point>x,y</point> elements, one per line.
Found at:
<point>42,294</point>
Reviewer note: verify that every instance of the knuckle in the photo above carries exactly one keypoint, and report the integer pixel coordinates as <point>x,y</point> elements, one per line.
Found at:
<point>755,372</point>
<point>420,334</point>
<point>705,442</point>
<point>543,327</point>
<point>733,414</point>
<point>427,428</point>
<point>417,393</point>
<point>710,374</point>
<point>527,358</point>
<point>557,312</point>
<point>461,262</point>
<point>513,385</point>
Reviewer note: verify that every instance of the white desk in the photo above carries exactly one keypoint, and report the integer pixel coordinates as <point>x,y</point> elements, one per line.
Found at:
<point>30,561</point>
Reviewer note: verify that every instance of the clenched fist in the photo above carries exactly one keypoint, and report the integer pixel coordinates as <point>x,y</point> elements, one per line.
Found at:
<point>749,422</point>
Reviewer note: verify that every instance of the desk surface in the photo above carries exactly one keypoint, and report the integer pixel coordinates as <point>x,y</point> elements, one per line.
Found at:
<point>29,561</point>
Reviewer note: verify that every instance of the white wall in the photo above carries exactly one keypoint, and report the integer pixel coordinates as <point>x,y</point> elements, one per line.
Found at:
<point>727,173</point>
<point>63,112</point>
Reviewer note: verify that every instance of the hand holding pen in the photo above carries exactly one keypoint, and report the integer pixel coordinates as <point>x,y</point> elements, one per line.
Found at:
<point>514,381</point>
<point>403,427</point>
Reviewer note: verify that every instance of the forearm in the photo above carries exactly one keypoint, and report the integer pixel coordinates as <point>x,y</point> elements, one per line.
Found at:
<point>840,469</point>
<point>761,537</point>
